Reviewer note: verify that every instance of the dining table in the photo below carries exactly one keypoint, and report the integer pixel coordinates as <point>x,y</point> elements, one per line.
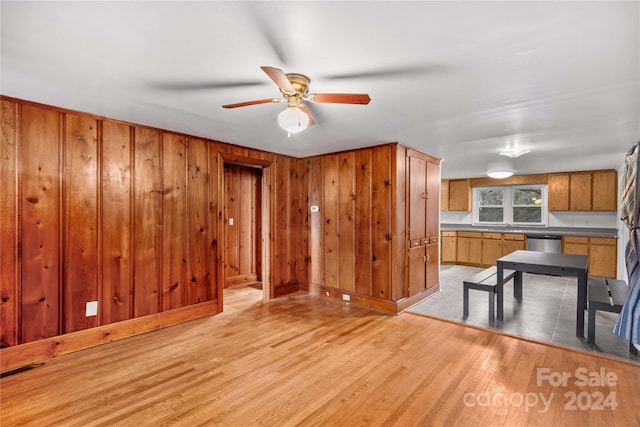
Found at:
<point>549,263</point>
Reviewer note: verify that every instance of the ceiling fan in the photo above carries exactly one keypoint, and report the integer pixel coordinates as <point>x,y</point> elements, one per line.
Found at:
<point>295,89</point>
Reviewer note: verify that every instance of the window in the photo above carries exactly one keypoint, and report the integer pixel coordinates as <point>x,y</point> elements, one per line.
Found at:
<point>510,205</point>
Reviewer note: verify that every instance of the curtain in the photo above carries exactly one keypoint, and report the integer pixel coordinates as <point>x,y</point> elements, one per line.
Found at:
<point>627,323</point>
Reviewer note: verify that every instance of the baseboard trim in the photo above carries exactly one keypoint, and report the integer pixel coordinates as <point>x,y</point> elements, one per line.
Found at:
<point>37,351</point>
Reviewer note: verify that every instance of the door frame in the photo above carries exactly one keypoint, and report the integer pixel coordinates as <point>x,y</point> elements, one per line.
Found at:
<point>265,218</point>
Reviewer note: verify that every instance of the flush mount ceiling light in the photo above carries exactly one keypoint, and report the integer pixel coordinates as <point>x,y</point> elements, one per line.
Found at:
<point>500,174</point>
<point>293,120</point>
<point>514,151</point>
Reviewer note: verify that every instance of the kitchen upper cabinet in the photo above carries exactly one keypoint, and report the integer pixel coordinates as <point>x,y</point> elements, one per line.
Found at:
<point>444,195</point>
<point>459,195</point>
<point>583,191</point>
<point>580,192</point>
<point>605,190</point>
<point>558,194</point>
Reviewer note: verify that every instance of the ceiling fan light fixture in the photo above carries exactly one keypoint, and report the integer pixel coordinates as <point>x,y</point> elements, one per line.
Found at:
<point>500,174</point>
<point>293,120</point>
<point>514,151</point>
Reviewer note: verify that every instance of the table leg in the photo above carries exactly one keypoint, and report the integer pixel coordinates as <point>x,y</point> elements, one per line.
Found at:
<point>582,303</point>
<point>517,285</point>
<point>500,291</point>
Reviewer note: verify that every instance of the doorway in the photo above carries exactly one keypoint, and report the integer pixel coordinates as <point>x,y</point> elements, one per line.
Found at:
<point>242,226</point>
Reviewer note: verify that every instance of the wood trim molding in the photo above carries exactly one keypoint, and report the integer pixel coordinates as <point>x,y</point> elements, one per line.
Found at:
<point>365,301</point>
<point>541,178</point>
<point>38,351</point>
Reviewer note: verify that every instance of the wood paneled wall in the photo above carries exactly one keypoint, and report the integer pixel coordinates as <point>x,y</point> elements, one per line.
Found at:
<point>95,209</point>
<point>350,236</point>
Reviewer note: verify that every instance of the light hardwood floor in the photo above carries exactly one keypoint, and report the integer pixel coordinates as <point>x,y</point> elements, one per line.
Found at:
<point>304,360</point>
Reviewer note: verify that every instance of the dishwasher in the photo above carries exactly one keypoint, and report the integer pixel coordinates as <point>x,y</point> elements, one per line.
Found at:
<point>544,243</point>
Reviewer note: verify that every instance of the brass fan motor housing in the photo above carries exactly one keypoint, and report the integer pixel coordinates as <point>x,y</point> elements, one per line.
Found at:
<point>299,82</point>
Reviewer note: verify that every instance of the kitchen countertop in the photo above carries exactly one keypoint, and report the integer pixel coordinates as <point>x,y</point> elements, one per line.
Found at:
<point>561,231</point>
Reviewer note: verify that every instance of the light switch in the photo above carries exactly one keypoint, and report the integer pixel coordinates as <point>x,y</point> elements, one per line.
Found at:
<point>230,221</point>
<point>92,308</point>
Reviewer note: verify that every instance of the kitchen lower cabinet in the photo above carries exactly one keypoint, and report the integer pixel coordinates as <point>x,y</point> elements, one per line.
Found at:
<point>603,259</point>
<point>469,247</point>
<point>512,243</point>
<point>449,245</point>
<point>491,247</point>
<point>602,253</point>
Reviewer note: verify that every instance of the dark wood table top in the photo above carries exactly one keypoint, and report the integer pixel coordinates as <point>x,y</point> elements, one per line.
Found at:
<point>547,259</point>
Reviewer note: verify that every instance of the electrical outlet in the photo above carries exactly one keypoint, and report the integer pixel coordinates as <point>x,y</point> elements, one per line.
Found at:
<point>92,308</point>
<point>346,297</point>
<point>230,221</point>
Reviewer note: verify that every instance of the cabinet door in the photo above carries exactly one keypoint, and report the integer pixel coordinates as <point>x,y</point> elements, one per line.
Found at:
<point>417,270</point>
<point>605,190</point>
<point>512,246</point>
<point>433,200</point>
<point>444,195</point>
<point>559,192</point>
<point>580,192</point>
<point>603,260</point>
<point>463,249</point>
<point>459,195</point>
<point>575,248</point>
<point>449,249</point>
<point>475,250</point>
<point>433,267</point>
<point>491,250</point>
<point>417,198</point>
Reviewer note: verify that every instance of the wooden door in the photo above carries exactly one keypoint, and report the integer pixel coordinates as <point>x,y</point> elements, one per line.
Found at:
<point>242,221</point>
<point>512,243</point>
<point>558,192</point>
<point>462,253</point>
<point>605,192</point>
<point>459,195</point>
<point>433,266</point>
<point>475,250</point>
<point>449,247</point>
<point>580,192</point>
<point>491,248</point>
<point>417,270</point>
<point>603,257</point>
<point>433,199</point>
<point>417,198</point>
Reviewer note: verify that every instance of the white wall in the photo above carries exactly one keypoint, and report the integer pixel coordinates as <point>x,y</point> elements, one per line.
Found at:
<point>556,219</point>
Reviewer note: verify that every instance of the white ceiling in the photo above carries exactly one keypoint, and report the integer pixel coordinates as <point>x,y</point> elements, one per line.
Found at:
<point>457,80</point>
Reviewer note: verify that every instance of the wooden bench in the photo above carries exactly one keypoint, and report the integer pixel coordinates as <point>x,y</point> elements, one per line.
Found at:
<point>605,295</point>
<point>484,281</point>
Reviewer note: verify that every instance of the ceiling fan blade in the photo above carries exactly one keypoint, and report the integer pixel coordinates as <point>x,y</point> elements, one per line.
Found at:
<point>270,31</point>
<point>245,104</point>
<point>305,110</point>
<point>339,98</point>
<point>203,85</point>
<point>392,72</point>
<point>280,78</point>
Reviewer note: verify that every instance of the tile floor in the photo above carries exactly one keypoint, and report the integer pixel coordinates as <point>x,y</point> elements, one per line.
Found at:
<point>546,313</point>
